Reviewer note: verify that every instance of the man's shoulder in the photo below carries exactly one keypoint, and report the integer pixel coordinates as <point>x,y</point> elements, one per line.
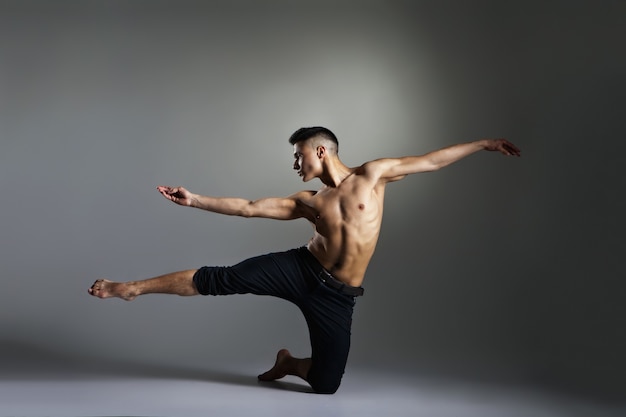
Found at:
<point>371,170</point>
<point>375,164</point>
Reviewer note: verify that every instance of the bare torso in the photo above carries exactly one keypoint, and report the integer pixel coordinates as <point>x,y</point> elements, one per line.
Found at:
<point>347,221</point>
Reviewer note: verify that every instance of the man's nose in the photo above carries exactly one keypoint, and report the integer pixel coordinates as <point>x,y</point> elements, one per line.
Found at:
<point>295,165</point>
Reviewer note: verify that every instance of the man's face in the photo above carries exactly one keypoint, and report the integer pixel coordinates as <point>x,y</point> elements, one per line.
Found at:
<point>306,161</point>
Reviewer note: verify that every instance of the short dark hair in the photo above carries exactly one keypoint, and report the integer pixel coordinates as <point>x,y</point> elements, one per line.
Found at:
<point>305,133</point>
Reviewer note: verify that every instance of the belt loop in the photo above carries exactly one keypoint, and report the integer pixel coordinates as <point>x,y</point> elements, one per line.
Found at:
<point>321,276</point>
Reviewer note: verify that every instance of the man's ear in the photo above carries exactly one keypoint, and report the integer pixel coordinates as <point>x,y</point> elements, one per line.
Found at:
<point>321,151</point>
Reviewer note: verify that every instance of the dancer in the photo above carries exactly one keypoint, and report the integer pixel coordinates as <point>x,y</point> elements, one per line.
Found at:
<point>324,277</point>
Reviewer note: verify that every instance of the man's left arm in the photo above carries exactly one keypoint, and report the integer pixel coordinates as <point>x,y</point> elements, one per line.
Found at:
<point>397,168</point>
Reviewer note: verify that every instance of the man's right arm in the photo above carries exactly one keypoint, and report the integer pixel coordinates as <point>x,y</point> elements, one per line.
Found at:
<point>277,208</point>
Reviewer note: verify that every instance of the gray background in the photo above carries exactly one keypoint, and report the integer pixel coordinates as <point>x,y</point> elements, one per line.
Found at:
<point>493,268</point>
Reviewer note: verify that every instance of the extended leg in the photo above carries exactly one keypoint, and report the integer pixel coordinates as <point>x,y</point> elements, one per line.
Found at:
<point>179,283</point>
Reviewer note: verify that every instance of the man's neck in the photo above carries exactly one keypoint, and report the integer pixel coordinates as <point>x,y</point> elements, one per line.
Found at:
<point>334,172</point>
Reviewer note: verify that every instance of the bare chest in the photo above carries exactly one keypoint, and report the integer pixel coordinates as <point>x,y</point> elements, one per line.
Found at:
<point>342,206</point>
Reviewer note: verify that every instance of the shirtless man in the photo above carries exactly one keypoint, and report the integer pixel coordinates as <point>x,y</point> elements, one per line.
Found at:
<point>322,278</point>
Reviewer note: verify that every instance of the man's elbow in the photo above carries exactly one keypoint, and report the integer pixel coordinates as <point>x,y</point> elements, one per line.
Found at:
<point>246,210</point>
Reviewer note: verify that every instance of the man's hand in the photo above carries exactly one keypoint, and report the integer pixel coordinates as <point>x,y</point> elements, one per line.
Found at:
<point>178,195</point>
<point>503,146</point>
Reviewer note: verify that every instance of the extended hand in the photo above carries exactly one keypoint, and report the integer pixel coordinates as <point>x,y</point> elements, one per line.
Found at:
<point>178,195</point>
<point>503,146</point>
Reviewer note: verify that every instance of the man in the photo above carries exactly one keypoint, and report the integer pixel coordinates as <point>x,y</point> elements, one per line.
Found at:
<point>322,278</point>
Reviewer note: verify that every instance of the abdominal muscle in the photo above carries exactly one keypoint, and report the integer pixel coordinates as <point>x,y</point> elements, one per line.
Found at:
<point>345,255</point>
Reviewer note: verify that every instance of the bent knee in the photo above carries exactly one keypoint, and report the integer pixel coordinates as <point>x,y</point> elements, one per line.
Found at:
<point>325,379</point>
<point>328,386</point>
<point>326,390</point>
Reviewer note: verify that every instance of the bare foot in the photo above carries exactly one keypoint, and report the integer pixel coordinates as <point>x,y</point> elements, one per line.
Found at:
<point>280,369</point>
<point>103,288</point>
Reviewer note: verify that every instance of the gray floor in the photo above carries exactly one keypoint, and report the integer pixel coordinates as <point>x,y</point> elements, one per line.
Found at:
<point>60,388</point>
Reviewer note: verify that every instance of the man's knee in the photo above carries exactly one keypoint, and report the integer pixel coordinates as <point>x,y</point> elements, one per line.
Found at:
<point>324,383</point>
<point>326,389</point>
<point>215,280</point>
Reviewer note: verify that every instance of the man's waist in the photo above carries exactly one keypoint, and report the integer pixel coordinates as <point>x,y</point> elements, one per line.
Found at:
<point>327,278</point>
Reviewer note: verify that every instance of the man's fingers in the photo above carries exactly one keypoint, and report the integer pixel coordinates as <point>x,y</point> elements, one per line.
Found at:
<point>162,189</point>
<point>167,190</point>
<point>509,149</point>
<point>513,150</point>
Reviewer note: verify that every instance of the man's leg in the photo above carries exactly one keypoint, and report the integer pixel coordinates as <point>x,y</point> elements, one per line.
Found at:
<point>329,320</point>
<point>178,283</point>
<point>275,274</point>
<point>331,359</point>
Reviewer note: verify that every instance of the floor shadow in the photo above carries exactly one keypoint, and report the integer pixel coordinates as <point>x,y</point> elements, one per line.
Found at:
<point>135,370</point>
<point>21,361</point>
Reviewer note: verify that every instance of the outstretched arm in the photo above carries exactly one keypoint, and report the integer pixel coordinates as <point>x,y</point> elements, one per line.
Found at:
<point>396,168</point>
<point>273,208</point>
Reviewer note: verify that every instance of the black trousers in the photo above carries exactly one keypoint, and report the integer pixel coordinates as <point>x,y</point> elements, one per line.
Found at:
<point>294,275</point>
